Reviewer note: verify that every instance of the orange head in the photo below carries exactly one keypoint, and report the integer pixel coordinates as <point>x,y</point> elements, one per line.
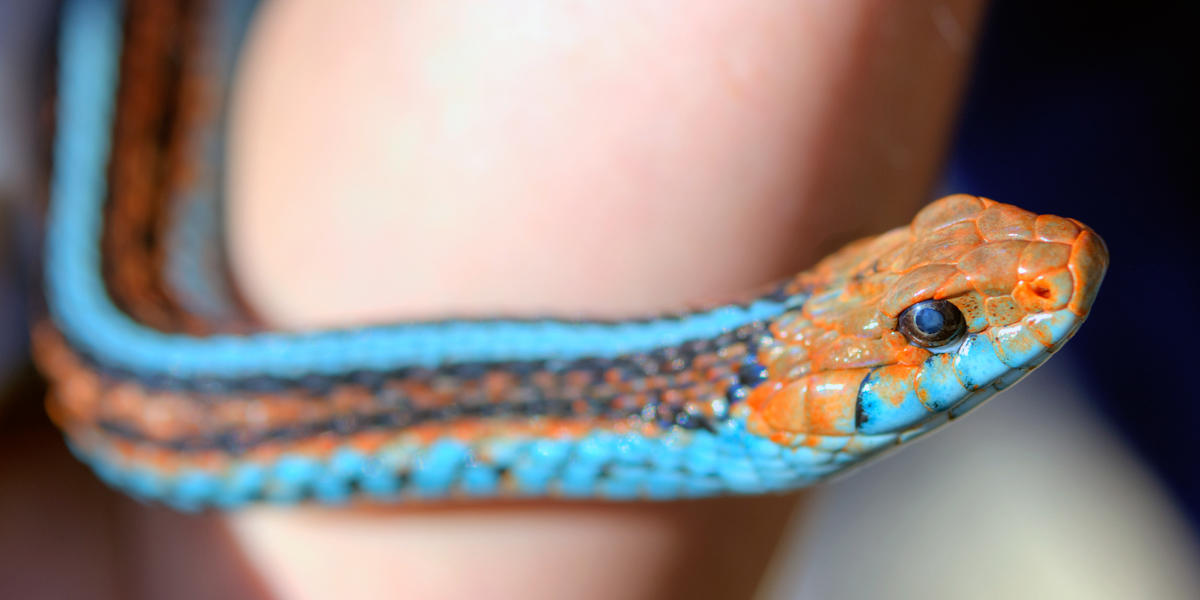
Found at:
<point>905,330</point>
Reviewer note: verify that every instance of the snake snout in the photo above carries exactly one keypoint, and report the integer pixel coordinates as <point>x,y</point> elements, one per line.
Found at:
<point>1088,263</point>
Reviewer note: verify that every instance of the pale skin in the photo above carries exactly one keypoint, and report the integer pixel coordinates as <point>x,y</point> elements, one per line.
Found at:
<point>403,160</point>
<point>594,158</point>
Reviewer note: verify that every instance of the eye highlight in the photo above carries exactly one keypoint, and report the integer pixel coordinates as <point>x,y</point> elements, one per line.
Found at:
<point>932,324</point>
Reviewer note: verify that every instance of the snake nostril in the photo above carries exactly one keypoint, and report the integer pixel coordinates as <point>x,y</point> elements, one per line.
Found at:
<point>1041,290</point>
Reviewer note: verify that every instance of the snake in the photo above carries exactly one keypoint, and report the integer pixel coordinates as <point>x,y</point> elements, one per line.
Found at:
<point>172,391</point>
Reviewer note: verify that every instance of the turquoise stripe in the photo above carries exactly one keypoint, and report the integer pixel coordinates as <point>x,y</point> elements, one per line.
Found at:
<point>617,467</point>
<point>80,304</point>
<point>889,403</point>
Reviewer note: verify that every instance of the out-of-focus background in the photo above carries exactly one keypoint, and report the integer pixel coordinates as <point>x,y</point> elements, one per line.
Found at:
<point>1082,484</point>
<point>25,29</point>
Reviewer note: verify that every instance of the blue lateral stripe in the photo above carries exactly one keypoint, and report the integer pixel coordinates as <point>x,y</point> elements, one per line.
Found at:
<point>976,362</point>
<point>938,386</point>
<point>619,467</point>
<point>83,310</point>
<point>877,401</point>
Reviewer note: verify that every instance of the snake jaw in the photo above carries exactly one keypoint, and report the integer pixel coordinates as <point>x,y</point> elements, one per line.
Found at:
<point>837,368</point>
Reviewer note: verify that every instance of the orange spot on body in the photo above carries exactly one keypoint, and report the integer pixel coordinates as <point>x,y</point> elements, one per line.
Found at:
<point>758,396</point>
<point>783,439</point>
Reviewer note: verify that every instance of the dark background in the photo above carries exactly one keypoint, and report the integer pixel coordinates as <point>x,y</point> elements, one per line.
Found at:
<point>1083,109</point>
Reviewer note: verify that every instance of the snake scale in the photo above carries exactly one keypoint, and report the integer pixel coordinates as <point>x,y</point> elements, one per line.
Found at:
<point>168,388</point>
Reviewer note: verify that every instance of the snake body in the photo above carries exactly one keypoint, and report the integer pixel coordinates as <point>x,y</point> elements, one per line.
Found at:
<point>170,399</point>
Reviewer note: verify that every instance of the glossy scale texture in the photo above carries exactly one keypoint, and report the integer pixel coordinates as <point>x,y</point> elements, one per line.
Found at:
<point>773,393</point>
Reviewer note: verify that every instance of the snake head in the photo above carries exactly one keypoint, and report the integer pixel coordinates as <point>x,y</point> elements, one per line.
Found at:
<point>906,330</point>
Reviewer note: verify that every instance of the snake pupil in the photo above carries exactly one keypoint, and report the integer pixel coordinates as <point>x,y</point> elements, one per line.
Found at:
<point>932,324</point>
<point>929,320</point>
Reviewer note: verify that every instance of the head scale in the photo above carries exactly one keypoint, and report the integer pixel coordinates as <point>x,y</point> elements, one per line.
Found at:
<point>852,366</point>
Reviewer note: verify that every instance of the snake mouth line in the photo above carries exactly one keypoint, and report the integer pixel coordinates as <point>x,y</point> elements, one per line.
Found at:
<point>953,383</point>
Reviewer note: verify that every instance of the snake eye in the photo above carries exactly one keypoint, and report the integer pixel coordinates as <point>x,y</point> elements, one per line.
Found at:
<point>932,324</point>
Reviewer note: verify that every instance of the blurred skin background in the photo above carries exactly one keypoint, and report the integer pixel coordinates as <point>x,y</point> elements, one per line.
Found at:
<point>1079,484</point>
